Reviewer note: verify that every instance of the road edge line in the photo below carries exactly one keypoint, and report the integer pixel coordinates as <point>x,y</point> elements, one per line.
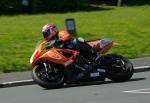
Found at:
<point>17,83</point>
<point>141,69</point>
<point>31,82</point>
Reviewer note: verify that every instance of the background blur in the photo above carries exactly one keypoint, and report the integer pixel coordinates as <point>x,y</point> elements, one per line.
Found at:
<point>21,22</point>
<point>41,6</point>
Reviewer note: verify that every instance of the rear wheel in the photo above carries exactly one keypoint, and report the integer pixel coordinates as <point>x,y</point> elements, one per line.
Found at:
<point>118,69</point>
<point>48,75</point>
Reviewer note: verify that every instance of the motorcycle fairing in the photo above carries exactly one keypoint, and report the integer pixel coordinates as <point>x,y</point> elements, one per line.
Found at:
<point>102,45</point>
<point>53,55</point>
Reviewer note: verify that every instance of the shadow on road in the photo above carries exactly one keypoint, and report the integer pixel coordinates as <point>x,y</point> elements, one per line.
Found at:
<point>97,83</point>
<point>74,85</point>
<point>137,79</point>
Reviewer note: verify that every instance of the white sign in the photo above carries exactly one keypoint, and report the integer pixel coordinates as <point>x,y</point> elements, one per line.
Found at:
<point>70,25</point>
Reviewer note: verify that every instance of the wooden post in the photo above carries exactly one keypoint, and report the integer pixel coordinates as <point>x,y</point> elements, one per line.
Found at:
<point>77,4</point>
<point>119,3</point>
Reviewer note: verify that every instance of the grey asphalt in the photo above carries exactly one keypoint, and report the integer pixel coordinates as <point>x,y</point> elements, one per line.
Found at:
<point>104,92</point>
<point>141,61</point>
<point>17,76</point>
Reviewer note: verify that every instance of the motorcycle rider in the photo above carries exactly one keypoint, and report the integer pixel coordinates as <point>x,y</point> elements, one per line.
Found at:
<point>50,33</point>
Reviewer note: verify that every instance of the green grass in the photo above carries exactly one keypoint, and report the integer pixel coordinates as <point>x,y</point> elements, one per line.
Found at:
<point>130,26</point>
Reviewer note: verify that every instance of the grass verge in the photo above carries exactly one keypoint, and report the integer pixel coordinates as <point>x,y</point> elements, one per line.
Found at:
<point>130,26</point>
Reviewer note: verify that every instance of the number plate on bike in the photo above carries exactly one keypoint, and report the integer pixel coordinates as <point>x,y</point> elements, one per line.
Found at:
<point>94,74</point>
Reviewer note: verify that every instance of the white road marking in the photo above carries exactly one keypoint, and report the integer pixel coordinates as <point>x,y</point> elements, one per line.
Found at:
<point>142,91</point>
<point>140,67</point>
<point>30,80</point>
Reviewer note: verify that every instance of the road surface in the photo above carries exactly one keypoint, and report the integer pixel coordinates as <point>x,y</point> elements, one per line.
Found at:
<point>135,91</point>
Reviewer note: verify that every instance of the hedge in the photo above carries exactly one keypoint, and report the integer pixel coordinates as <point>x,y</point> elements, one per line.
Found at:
<point>15,6</point>
<point>7,6</point>
<point>124,2</point>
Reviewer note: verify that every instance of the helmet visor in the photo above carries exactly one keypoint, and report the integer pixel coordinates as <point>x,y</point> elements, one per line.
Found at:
<point>45,34</point>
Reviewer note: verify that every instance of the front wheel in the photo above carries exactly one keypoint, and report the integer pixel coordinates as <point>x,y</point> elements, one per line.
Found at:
<point>118,69</point>
<point>48,76</point>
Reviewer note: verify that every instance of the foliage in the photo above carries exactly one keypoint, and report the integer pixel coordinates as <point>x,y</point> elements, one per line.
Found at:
<point>124,2</point>
<point>15,6</point>
<point>7,6</point>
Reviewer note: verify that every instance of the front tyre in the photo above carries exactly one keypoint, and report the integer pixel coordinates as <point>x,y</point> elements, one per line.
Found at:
<point>119,69</point>
<point>48,76</point>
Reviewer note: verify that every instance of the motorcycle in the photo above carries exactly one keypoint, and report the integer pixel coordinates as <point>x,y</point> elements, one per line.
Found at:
<point>56,65</point>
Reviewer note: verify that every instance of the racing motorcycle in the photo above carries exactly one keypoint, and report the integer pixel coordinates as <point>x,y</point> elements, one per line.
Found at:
<point>56,65</point>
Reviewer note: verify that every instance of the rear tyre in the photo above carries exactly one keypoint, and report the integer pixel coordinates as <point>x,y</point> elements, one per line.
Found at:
<point>48,76</point>
<point>119,69</point>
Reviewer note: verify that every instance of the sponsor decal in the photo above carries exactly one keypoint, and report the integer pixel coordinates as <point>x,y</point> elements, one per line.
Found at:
<point>53,55</point>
